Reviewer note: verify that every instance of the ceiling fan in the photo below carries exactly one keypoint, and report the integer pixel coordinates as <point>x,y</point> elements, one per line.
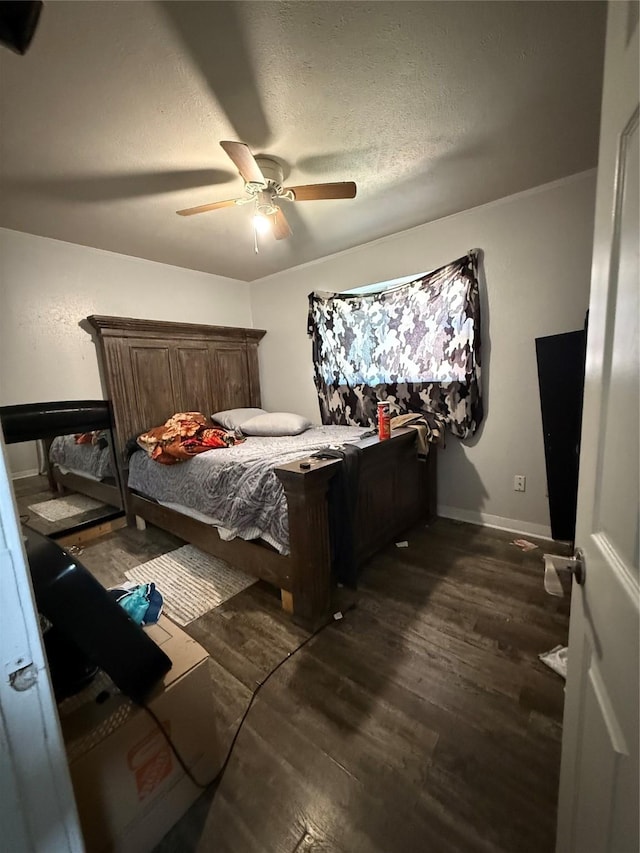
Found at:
<point>263,179</point>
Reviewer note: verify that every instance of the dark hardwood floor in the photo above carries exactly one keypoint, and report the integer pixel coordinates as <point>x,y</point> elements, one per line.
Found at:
<point>421,721</point>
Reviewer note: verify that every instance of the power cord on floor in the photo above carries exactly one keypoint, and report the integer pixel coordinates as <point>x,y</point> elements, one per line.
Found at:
<point>218,778</point>
<point>173,748</point>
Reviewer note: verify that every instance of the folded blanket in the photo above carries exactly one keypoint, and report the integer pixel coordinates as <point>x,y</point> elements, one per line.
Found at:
<point>184,435</point>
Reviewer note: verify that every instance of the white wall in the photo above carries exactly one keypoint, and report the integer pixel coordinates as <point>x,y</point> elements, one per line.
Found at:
<point>537,259</point>
<point>47,287</point>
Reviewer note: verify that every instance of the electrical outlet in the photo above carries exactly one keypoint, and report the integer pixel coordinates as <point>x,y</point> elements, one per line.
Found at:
<point>519,483</point>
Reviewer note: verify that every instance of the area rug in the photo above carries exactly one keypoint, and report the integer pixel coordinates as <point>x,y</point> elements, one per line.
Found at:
<point>191,582</point>
<point>60,508</point>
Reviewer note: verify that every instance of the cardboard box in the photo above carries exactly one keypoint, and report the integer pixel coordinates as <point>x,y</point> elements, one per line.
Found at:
<point>129,787</point>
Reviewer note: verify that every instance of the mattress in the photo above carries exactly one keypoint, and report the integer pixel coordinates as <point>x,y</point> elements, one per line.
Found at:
<point>236,488</point>
<point>86,460</point>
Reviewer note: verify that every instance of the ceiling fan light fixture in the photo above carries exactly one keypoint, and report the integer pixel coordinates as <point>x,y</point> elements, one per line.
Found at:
<point>266,203</point>
<point>261,223</point>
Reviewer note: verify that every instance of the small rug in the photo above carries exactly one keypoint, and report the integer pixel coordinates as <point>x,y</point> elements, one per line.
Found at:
<point>191,582</point>
<point>61,508</point>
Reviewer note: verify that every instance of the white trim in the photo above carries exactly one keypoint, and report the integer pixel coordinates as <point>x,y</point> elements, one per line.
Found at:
<point>512,525</point>
<point>560,182</point>
<point>22,475</point>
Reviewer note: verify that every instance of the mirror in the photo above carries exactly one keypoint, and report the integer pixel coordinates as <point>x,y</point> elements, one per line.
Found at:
<point>64,472</point>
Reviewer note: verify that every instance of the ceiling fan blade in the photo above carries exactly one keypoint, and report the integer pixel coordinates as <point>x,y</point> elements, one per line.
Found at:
<point>281,229</point>
<point>313,192</point>
<point>245,161</point>
<point>203,208</point>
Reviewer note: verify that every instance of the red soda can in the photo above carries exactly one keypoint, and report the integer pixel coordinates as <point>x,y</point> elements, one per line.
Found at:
<point>384,421</point>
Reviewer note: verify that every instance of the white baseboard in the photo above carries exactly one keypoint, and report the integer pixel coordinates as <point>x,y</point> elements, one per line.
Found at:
<point>21,475</point>
<point>513,525</point>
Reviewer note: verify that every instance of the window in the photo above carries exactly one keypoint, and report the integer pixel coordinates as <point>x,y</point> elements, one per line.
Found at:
<point>415,341</point>
<point>406,330</point>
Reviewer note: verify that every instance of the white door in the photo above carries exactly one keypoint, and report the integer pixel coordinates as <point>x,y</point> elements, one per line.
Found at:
<point>37,807</point>
<point>599,794</point>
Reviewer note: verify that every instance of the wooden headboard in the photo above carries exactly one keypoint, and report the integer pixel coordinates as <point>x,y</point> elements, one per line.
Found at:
<point>151,369</point>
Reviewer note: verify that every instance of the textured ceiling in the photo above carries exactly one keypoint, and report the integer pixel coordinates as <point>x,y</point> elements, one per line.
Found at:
<point>111,122</point>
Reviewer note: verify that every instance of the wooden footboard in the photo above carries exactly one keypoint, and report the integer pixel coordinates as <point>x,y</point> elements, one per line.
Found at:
<point>395,492</point>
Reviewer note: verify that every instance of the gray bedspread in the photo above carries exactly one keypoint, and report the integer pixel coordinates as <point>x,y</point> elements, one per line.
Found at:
<point>86,459</point>
<point>236,487</point>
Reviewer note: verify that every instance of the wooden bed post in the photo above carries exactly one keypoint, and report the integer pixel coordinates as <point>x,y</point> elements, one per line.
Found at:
<point>47,442</point>
<point>306,492</point>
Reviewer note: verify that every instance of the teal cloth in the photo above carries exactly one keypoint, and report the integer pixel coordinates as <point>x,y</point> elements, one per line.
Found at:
<point>142,602</point>
<point>136,604</point>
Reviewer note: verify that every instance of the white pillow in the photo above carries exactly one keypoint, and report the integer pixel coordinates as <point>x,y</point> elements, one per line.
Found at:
<point>276,423</point>
<point>235,418</point>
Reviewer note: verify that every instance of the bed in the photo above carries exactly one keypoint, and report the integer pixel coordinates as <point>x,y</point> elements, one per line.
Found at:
<point>152,369</point>
<point>236,489</point>
<point>88,467</point>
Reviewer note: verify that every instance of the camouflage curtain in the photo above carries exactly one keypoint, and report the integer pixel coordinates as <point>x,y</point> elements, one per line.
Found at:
<point>416,345</point>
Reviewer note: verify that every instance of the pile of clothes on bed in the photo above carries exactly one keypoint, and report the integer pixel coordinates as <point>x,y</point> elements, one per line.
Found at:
<point>85,454</point>
<point>98,438</point>
<point>183,436</point>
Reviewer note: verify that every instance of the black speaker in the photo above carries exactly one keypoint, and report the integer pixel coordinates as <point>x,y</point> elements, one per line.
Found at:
<point>561,360</point>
